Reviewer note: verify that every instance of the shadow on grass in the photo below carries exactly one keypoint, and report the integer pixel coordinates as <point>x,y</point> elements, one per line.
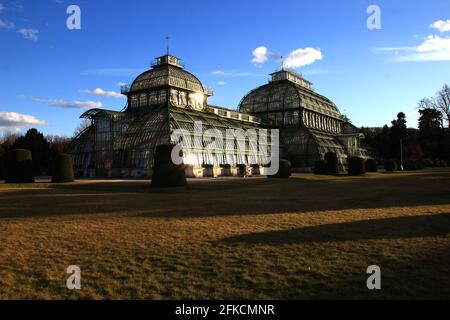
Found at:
<point>224,198</point>
<point>391,228</point>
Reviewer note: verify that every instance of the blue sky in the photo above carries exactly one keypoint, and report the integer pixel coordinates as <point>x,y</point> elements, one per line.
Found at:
<point>48,73</point>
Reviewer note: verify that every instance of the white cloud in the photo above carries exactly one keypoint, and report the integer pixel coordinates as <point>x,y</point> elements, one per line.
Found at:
<point>222,83</point>
<point>29,34</point>
<point>295,59</point>
<point>13,121</point>
<point>260,55</point>
<point>302,57</point>
<point>5,24</point>
<point>433,48</point>
<point>218,73</point>
<point>103,93</point>
<point>69,105</point>
<point>2,7</point>
<point>435,43</point>
<point>441,25</point>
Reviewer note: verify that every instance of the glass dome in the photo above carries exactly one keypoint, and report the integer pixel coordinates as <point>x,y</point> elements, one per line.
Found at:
<point>167,71</point>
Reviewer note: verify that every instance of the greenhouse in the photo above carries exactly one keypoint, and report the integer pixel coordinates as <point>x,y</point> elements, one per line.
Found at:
<point>161,102</point>
<point>169,105</point>
<point>310,124</point>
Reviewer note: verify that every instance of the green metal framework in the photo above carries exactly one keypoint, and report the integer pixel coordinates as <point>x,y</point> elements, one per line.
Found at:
<point>309,122</point>
<point>166,104</point>
<point>163,101</point>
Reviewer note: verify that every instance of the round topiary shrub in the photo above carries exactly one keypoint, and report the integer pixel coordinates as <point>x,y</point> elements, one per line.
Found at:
<point>419,164</point>
<point>165,172</point>
<point>371,165</point>
<point>19,166</point>
<point>356,166</point>
<point>427,163</point>
<point>390,165</point>
<point>62,169</point>
<point>320,167</point>
<point>410,165</point>
<point>284,170</point>
<point>332,163</point>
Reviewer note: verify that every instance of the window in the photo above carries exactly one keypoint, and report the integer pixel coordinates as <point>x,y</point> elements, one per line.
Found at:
<point>142,100</point>
<point>152,98</point>
<point>162,96</point>
<point>133,101</point>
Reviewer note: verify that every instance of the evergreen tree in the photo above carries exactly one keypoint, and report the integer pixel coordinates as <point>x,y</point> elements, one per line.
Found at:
<point>431,132</point>
<point>35,141</point>
<point>397,134</point>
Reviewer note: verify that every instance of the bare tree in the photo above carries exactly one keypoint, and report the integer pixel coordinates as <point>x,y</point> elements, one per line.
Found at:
<point>441,103</point>
<point>81,127</point>
<point>7,139</point>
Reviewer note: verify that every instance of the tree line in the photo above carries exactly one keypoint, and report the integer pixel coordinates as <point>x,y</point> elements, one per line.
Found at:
<point>43,148</point>
<point>429,143</point>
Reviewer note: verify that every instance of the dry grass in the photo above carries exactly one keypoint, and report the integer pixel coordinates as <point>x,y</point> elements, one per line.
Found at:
<point>307,237</point>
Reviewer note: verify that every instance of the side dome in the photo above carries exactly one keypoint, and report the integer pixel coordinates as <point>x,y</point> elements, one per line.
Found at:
<point>287,90</point>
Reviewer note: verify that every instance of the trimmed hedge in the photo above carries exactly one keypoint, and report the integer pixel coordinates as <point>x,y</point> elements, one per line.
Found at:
<point>371,165</point>
<point>165,172</point>
<point>2,166</point>
<point>332,163</point>
<point>62,169</point>
<point>356,166</point>
<point>321,167</point>
<point>19,166</point>
<point>284,170</point>
<point>390,165</point>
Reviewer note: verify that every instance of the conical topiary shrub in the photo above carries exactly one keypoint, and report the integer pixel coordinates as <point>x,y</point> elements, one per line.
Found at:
<point>356,166</point>
<point>165,172</point>
<point>2,166</point>
<point>332,163</point>
<point>19,166</point>
<point>62,170</point>
<point>390,165</point>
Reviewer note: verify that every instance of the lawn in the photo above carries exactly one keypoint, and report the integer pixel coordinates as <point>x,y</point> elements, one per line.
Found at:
<point>304,238</point>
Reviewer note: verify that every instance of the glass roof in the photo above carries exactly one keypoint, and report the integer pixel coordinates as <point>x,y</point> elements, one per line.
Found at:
<point>167,73</point>
<point>284,95</point>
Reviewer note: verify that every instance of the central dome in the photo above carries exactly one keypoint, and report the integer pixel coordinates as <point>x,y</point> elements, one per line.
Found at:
<point>167,71</point>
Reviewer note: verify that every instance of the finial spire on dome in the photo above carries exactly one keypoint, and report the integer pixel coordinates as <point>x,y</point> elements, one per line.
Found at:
<point>167,44</point>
